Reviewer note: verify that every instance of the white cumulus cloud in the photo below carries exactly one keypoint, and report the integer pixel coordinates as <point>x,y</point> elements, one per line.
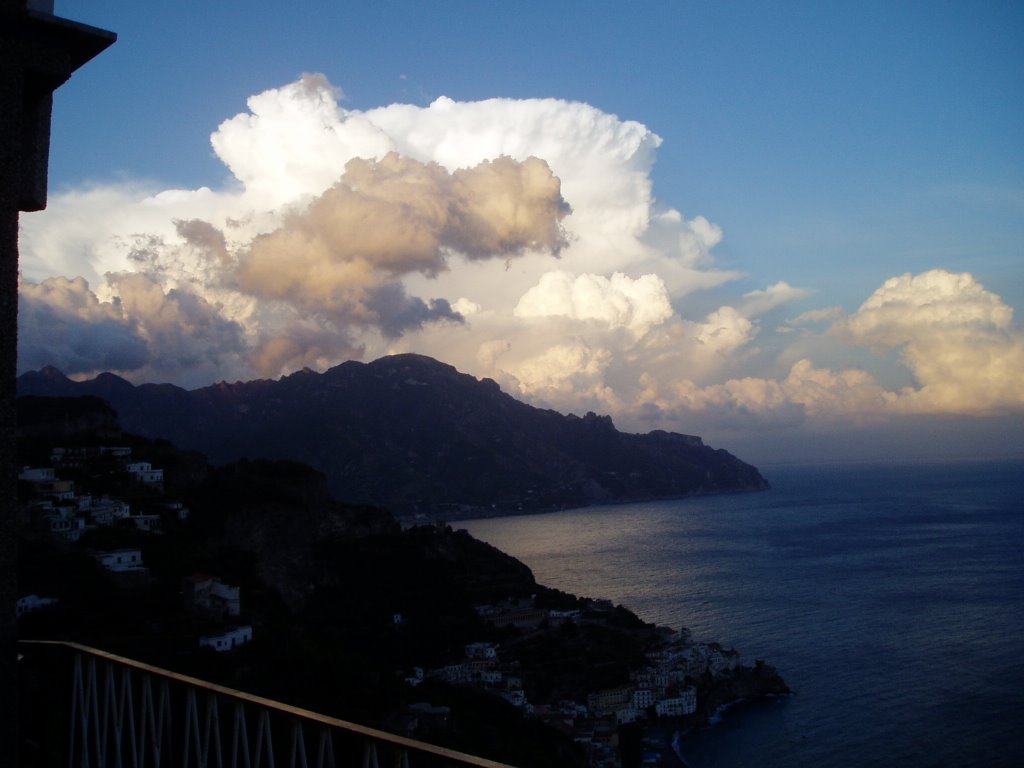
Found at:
<point>294,140</point>
<point>618,301</point>
<point>956,337</point>
<point>724,330</point>
<point>764,300</point>
<point>367,227</point>
<point>518,239</point>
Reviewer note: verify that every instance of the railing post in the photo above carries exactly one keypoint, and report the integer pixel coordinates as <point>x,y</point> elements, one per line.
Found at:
<point>127,707</point>
<point>165,710</point>
<point>325,750</point>
<point>112,735</point>
<point>370,755</point>
<point>212,730</point>
<point>263,734</point>
<point>240,734</point>
<point>146,704</point>
<point>77,702</point>
<point>103,712</point>
<point>298,749</point>
<point>94,714</point>
<point>191,729</point>
<point>157,719</point>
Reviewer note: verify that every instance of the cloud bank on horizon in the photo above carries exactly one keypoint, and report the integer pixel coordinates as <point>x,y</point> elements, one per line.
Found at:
<point>515,239</point>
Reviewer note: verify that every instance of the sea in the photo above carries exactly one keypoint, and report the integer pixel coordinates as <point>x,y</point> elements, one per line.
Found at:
<point>889,597</point>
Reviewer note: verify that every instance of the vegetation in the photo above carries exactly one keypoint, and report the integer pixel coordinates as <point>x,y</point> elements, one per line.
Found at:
<point>343,603</point>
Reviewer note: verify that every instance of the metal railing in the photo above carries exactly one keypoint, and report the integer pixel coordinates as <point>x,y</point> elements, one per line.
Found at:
<point>127,714</point>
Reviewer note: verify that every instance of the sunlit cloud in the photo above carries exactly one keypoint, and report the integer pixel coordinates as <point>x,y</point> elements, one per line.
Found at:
<point>764,300</point>
<point>62,323</point>
<point>618,301</point>
<point>957,339</point>
<point>517,239</point>
<point>398,216</point>
<point>154,333</point>
<point>724,330</point>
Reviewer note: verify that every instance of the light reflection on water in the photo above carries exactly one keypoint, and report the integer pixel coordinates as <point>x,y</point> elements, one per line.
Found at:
<point>888,597</point>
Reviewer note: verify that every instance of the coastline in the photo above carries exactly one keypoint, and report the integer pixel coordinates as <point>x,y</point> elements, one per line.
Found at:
<point>655,735</point>
<point>465,513</point>
<point>885,566</point>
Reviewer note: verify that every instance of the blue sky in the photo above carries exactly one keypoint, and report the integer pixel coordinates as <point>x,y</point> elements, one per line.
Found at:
<point>835,145</point>
<point>813,133</point>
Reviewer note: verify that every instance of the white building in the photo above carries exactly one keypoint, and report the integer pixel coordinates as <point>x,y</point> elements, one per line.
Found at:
<point>684,704</point>
<point>63,490</point>
<point>643,698</point>
<point>721,660</point>
<point>490,677</point>
<point>609,700</point>
<point>120,560</point>
<point>143,472</point>
<point>669,656</point>
<point>227,641</point>
<point>415,678</point>
<point>105,511</point>
<point>696,660</point>
<point>62,523</point>
<point>37,474</point>
<point>456,673</point>
<point>557,617</point>
<point>649,677</point>
<point>481,651</point>
<point>177,509</point>
<point>226,596</point>
<point>211,595</point>
<point>149,523</point>
<point>674,676</point>
<point>627,715</point>
<point>515,697</point>
<point>30,603</point>
<point>572,708</point>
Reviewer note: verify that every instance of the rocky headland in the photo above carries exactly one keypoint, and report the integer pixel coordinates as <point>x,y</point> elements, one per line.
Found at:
<point>414,435</point>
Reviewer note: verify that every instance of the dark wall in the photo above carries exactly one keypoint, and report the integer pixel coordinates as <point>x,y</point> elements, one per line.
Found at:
<point>38,52</point>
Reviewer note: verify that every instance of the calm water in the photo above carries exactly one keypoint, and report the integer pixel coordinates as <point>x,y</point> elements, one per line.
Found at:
<point>891,599</point>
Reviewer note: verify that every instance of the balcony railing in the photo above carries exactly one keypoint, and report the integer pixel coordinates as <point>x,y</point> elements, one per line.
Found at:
<point>122,713</point>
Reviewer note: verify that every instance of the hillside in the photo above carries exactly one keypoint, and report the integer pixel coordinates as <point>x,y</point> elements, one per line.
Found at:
<point>346,613</point>
<point>413,434</point>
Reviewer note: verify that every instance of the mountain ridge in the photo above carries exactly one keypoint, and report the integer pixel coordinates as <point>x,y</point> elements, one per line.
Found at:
<point>416,435</point>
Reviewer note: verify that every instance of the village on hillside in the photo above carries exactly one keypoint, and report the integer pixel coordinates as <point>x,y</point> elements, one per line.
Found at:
<point>674,679</point>
<point>53,506</point>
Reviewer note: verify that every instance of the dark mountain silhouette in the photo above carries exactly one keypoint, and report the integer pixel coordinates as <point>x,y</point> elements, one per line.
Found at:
<point>411,433</point>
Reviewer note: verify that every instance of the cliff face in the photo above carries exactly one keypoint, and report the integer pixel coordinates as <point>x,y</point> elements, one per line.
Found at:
<point>63,419</point>
<point>281,513</point>
<point>412,434</point>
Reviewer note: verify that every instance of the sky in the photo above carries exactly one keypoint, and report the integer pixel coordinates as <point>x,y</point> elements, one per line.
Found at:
<point>793,228</point>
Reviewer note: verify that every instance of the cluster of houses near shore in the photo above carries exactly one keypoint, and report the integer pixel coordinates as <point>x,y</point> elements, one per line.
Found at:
<point>664,688</point>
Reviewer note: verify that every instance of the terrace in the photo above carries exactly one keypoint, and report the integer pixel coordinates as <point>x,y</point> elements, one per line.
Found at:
<point>86,708</point>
